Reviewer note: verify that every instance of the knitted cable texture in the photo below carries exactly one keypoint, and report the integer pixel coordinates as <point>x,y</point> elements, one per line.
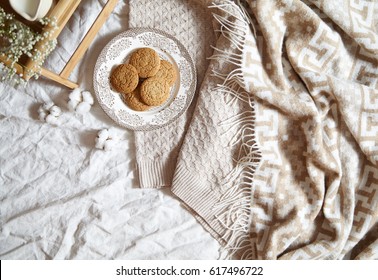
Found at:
<point>219,156</point>
<point>190,23</point>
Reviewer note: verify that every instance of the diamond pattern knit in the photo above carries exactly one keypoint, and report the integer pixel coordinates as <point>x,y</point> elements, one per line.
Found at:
<point>188,21</point>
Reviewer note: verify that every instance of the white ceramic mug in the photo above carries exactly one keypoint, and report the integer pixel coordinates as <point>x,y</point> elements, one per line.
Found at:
<point>31,9</point>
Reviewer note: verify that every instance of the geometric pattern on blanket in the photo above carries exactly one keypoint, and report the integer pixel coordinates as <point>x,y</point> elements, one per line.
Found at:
<point>316,189</point>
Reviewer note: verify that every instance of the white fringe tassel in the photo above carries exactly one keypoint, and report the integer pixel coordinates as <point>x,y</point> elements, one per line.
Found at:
<point>235,203</point>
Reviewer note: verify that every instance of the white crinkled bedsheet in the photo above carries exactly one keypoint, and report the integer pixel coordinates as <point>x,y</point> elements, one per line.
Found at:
<point>61,198</point>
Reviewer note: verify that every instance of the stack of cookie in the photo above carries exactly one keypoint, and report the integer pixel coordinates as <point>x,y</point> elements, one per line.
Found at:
<point>145,81</point>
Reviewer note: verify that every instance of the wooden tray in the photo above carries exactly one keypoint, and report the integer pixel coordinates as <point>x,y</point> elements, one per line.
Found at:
<point>62,11</point>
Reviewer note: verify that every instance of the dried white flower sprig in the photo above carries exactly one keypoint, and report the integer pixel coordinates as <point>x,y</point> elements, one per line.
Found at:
<point>18,40</point>
<point>80,101</point>
<point>107,139</point>
<point>49,113</point>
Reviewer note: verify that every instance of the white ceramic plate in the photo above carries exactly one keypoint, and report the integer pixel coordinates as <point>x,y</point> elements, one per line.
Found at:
<point>117,51</point>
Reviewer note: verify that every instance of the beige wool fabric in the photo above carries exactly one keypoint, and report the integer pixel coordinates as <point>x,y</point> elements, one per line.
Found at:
<point>190,22</point>
<point>278,159</point>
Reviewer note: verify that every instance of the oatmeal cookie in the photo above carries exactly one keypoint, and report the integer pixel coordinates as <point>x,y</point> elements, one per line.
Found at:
<point>134,101</point>
<point>166,72</point>
<point>146,61</point>
<point>124,78</point>
<point>154,91</point>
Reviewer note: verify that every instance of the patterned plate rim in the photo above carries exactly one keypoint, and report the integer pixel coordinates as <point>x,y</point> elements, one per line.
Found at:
<point>183,51</point>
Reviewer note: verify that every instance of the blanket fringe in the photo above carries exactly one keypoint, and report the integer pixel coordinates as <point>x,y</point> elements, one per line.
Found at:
<point>236,199</point>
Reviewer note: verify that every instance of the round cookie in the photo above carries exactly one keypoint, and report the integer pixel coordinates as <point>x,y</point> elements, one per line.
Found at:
<point>154,91</point>
<point>134,101</point>
<point>146,61</point>
<point>124,78</point>
<point>166,72</point>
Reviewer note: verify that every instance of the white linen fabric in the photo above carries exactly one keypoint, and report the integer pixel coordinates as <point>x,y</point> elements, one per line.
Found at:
<point>61,198</point>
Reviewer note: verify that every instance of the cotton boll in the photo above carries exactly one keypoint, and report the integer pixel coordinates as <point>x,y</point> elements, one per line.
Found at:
<point>52,120</point>
<point>41,110</point>
<point>47,106</point>
<point>100,143</point>
<point>76,95</point>
<point>87,97</point>
<point>79,101</point>
<point>83,107</point>
<point>72,104</point>
<point>109,144</point>
<point>113,134</point>
<point>103,134</point>
<point>55,111</point>
<point>49,112</point>
<point>42,115</point>
<point>101,138</point>
<point>107,139</point>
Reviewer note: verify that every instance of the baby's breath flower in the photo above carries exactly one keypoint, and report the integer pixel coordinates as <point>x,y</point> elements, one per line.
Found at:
<point>17,40</point>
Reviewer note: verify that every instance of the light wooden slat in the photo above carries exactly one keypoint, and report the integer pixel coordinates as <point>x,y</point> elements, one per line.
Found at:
<point>7,62</point>
<point>85,43</point>
<point>44,72</point>
<point>62,12</point>
<point>55,77</point>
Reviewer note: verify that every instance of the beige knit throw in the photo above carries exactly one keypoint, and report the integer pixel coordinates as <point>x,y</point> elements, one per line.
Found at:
<point>278,160</point>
